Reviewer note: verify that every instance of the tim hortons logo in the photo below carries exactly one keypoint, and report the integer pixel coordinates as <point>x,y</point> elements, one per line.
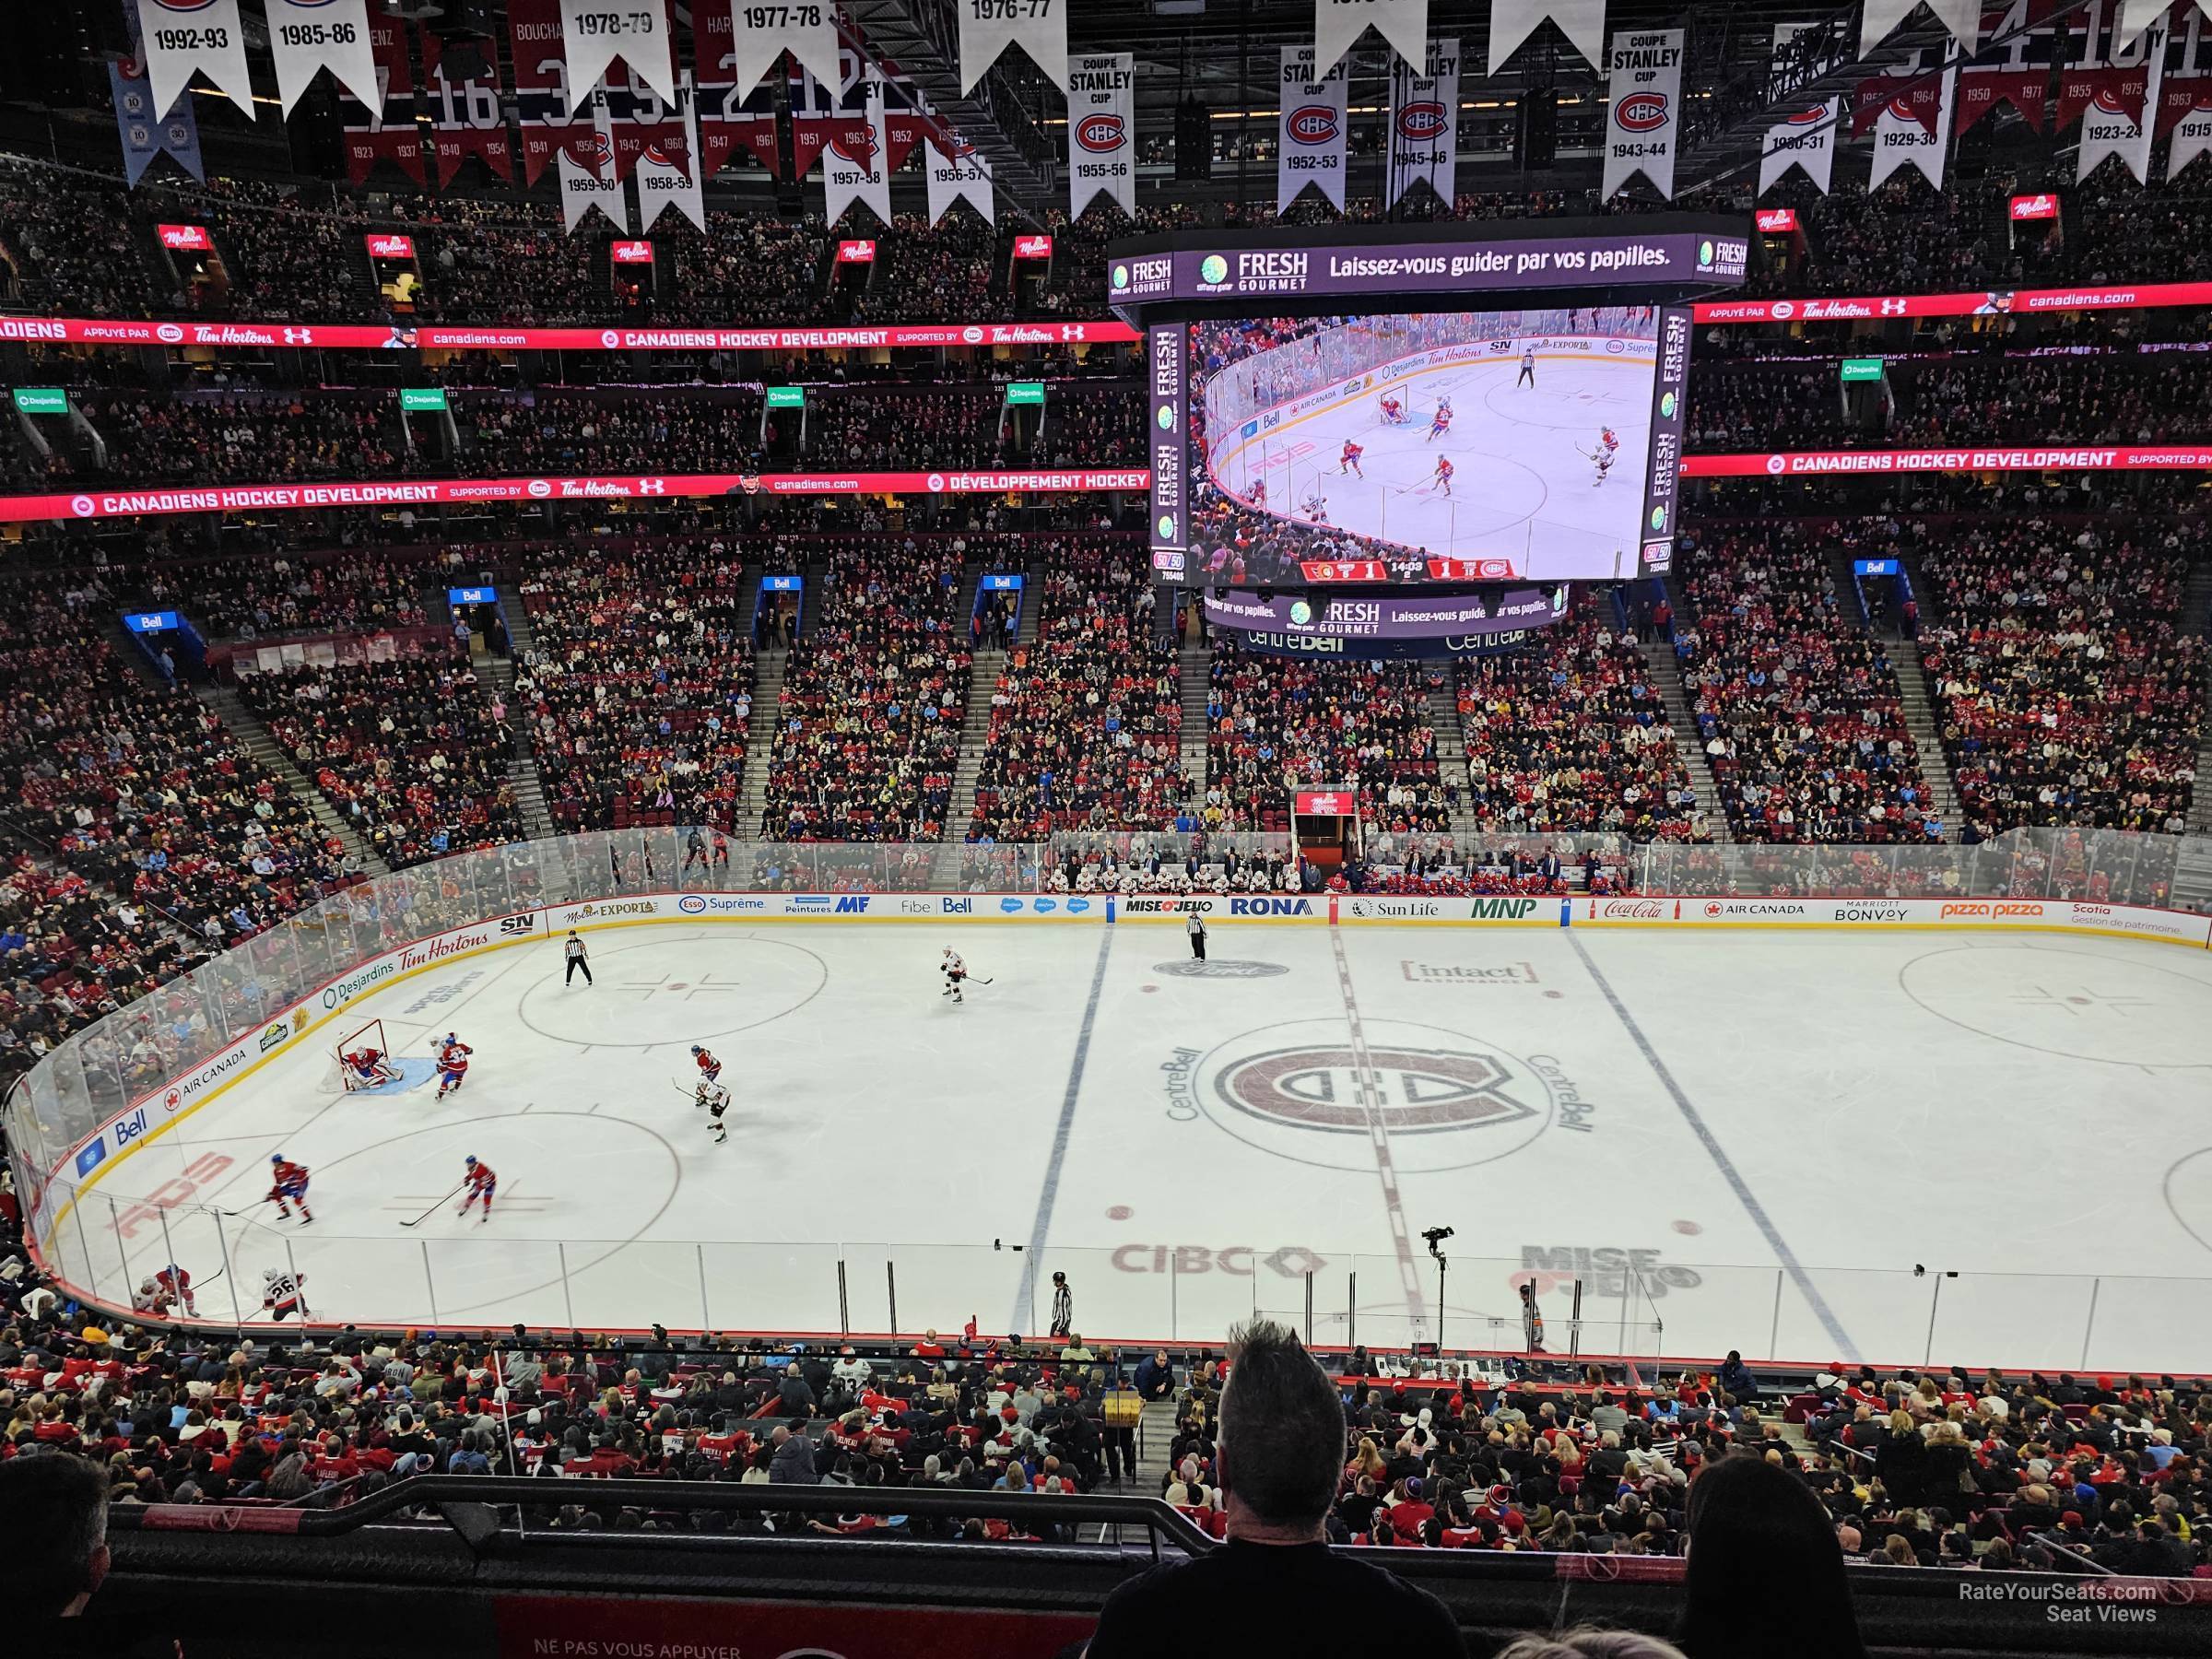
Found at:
<point>1316,124</point>
<point>1640,112</point>
<point>1096,133</point>
<point>1421,122</point>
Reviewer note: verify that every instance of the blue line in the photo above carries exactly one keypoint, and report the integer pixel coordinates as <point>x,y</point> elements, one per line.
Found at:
<point>1798,1277</point>
<point>1049,1194</point>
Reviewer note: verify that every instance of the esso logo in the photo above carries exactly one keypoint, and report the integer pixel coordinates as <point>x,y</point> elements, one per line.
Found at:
<point>972,335</point>
<point>1098,133</point>
<point>169,334</point>
<point>1782,310</point>
<point>691,904</point>
<point>1640,112</point>
<point>83,506</point>
<point>540,488</point>
<point>935,482</point>
<point>1421,122</point>
<point>1316,124</point>
<point>1818,114</point>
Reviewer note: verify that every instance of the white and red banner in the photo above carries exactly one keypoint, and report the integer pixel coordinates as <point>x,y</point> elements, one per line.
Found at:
<point>989,27</point>
<point>2184,100</point>
<point>378,126</point>
<point>1901,138</point>
<point>586,189</point>
<point>497,337</point>
<point>668,171</point>
<point>1805,138</point>
<point>758,35</point>
<point>1424,124</point>
<point>421,492</point>
<point>177,37</point>
<point>544,108</point>
<point>1644,72</point>
<point>959,176</point>
<point>2015,70</point>
<point>1101,131</point>
<point>308,35</point>
<point>1512,21</point>
<point>465,117</point>
<point>856,165</point>
<point>2115,100</point>
<point>733,115</point>
<point>1310,149</point>
<point>597,31</point>
<point>1403,24</point>
<point>1801,463</point>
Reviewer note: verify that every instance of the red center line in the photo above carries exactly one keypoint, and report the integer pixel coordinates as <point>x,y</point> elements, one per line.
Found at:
<point>1378,1134</point>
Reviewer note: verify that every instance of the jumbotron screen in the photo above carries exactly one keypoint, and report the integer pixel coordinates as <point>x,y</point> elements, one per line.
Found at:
<point>1455,447</point>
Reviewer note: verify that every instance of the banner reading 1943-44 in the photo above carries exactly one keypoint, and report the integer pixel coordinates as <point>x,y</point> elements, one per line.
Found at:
<point>1644,117</point>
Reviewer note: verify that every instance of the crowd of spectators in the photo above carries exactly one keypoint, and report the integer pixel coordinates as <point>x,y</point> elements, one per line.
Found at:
<point>2116,399</point>
<point>947,272</point>
<point>249,437</point>
<point>638,695</point>
<point>408,749</point>
<point>1796,706</point>
<point>510,433</point>
<point>1762,404</point>
<point>1085,721</point>
<point>873,697</point>
<point>1277,726</point>
<point>1569,734</point>
<point>362,592</point>
<point>2067,690</point>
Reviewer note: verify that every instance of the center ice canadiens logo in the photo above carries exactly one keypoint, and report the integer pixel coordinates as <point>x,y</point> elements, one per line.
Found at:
<point>1442,1098</point>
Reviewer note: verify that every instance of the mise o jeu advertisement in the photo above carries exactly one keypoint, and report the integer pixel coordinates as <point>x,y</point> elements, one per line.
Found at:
<point>1442,446</point>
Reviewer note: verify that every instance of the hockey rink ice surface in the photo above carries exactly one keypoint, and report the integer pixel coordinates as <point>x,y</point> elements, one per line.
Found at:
<point>1773,1128</point>
<point>1524,486</point>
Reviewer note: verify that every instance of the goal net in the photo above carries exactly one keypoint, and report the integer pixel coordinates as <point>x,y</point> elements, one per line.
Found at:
<point>364,1037</point>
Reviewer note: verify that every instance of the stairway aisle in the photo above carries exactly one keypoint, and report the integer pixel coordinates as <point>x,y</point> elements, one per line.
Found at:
<point>975,731</point>
<point>1193,669</point>
<point>1916,698</point>
<point>768,665</point>
<point>1666,679</point>
<point>1443,709</point>
<point>254,738</point>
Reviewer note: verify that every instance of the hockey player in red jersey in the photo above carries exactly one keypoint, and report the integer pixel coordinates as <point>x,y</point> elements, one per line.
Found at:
<point>288,1185</point>
<point>710,1068</point>
<point>1349,460</point>
<point>1441,422</point>
<point>453,1064</point>
<point>370,1068</point>
<point>1443,479</point>
<point>481,1183</point>
<point>176,1284</point>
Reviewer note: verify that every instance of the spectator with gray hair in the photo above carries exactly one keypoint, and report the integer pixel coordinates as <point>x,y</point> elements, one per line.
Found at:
<point>1277,1460</point>
<point>53,1534</point>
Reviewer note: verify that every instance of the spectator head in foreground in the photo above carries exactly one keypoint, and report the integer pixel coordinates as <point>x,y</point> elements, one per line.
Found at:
<point>1588,1641</point>
<point>53,1534</point>
<point>1765,1574</point>
<point>1275,1581</point>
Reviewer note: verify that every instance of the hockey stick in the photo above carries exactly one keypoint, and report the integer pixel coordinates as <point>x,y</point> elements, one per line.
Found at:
<point>979,978</point>
<point>434,1209</point>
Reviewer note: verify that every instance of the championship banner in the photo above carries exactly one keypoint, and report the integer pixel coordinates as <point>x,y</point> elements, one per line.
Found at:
<point>642,123</point>
<point>1403,24</point>
<point>2184,102</point>
<point>856,164</point>
<point>597,31</point>
<point>1645,84</point>
<point>2181,457</point>
<point>144,135</point>
<point>1921,103</point>
<point>542,103</point>
<point>989,27</point>
<point>963,176</point>
<point>664,184</point>
<point>465,117</point>
<point>584,188</point>
<point>308,35</point>
<point>1962,18</point>
<point>1900,140</point>
<point>415,492</point>
<point>1512,21</point>
<point>1311,135</point>
<point>178,36</point>
<point>369,136</point>
<point>2016,70</point>
<point>1424,124</point>
<point>2116,116</point>
<point>819,116</point>
<point>495,336</point>
<point>730,115</point>
<point>757,35</point>
<point>1101,131</point>
<point>1807,139</point>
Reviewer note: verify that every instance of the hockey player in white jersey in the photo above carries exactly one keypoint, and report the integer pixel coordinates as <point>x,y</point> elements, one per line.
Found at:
<point>716,1099</point>
<point>280,1292</point>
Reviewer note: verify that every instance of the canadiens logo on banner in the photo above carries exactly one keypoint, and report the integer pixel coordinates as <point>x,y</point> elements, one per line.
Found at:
<point>594,34</point>
<point>959,176</point>
<point>1645,78</point>
<point>989,27</point>
<point>308,35</point>
<point>1901,140</point>
<point>1806,140</point>
<point>179,36</point>
<point>584,188</point>
<point>2117,119</point>
<point>1512,21</point>
<point>667,181</point>
<point>1311,135</point>
<point>856,164</point>
<point>760,34</point>
<point>1101,131</point>
<point>1424,124</point>
<point>1403,24</point>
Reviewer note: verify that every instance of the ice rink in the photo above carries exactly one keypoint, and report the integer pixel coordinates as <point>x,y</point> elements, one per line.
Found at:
<point>1745,1140</point>
<point>1526,487</point>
